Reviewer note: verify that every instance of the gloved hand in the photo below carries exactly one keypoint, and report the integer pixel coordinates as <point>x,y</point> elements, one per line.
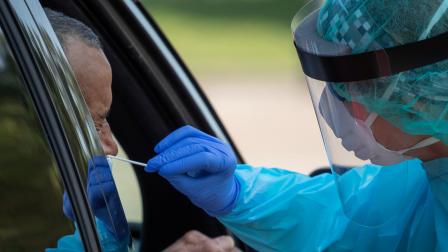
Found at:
<point>103,198</point>
<point>200,166</point>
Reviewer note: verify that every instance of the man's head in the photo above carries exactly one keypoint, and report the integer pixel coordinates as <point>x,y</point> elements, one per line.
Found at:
<point>91,68</point>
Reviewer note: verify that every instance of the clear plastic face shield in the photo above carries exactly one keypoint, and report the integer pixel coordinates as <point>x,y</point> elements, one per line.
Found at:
<point>377,106</point>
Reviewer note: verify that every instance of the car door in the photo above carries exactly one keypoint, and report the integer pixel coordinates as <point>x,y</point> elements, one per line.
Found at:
<point>153,94</point>
<point>35,154</point>
<point>48,139</point>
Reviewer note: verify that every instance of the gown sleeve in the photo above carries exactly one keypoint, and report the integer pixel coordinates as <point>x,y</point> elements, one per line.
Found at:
<point>279,210</point>
<point>109,242</point>
<point>437,171</point>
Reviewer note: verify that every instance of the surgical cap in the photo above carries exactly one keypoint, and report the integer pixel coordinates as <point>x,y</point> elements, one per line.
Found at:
<point>415,101</point>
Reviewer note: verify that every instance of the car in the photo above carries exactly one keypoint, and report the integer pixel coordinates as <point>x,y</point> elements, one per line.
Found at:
<point>47,136</point>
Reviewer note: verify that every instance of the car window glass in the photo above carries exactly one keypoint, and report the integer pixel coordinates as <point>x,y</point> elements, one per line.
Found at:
<point>94,83</point>
<point>31,196</point>
<point>102,193</point>
<point>128,188</point>
<point>130,195</point>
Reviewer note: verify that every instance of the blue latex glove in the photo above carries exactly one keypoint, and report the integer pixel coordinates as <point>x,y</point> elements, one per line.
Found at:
<point>103,198</point>
<point>200,166</point>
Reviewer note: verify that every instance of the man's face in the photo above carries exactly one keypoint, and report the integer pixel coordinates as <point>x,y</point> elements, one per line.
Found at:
<point>94,75</point>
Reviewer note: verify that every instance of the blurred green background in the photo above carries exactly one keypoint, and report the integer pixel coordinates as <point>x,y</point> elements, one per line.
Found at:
<point>243,56</point>
<point>232,35</point>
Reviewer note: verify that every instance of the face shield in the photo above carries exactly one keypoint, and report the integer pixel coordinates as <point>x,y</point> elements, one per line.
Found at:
<point>380,95</point>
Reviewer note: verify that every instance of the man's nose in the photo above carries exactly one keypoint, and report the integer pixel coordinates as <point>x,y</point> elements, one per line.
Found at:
<point>110,147</point>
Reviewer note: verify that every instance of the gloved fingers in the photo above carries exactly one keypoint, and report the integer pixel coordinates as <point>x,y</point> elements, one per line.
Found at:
<point>202,161</point>
<point>97,200</point>
<point>172,155</point>
<point>222,149</point>
<point>98,194</point>
<point>99,176</point>
<point>67,207</point>
<point>98,162</point>
<point>194,140</point>
<point>179,134</point>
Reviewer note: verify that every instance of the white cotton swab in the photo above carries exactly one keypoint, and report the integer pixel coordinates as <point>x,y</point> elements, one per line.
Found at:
<point>127,161</point>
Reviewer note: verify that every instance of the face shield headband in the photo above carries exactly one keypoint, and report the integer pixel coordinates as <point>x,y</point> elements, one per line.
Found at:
<point>334,62</point>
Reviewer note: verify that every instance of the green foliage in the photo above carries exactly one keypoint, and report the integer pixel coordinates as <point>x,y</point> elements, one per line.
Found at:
<point>220,35</point>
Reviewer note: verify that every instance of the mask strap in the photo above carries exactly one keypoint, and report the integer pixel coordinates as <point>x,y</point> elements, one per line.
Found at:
<point>391,88</point>
<point>387,94</point>
<point>435,19</point>
<point>371,119</point>
<point>425,143</point>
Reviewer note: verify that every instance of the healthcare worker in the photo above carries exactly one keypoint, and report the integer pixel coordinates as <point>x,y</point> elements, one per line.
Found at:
<point>378,77</point>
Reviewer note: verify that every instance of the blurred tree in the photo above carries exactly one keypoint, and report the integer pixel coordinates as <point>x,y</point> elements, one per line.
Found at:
<point>229,35</point>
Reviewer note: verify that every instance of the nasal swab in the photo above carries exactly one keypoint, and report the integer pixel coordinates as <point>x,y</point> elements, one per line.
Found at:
<point>127,160</point>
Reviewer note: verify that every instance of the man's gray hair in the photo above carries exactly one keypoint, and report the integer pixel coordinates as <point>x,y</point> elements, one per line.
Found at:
<point>66,27</point>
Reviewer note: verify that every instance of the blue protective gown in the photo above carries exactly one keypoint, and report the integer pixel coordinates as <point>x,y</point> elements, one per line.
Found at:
<point>109,242</point>
<point>278,210</point>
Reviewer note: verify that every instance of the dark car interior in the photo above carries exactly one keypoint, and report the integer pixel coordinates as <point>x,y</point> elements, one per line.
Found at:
<point>147,104</point>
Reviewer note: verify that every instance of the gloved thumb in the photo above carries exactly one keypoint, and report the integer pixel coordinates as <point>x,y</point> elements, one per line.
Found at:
<point>67,207</point>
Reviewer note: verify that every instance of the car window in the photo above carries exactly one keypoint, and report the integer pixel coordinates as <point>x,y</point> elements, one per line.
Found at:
<point>85,92</point>
<point>130,195</point>
<point>79,99</point>
<point>242,54</point>
<point>31,216</point>
<point>128,188</point>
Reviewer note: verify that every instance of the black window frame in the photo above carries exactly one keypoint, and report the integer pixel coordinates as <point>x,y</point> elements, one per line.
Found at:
<point>28,39</point>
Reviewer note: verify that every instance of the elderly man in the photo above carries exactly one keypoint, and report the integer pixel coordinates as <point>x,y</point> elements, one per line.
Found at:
<point>94,75</point>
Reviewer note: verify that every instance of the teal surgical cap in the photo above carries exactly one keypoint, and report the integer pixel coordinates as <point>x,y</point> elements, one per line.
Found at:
<point>415,101</point>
